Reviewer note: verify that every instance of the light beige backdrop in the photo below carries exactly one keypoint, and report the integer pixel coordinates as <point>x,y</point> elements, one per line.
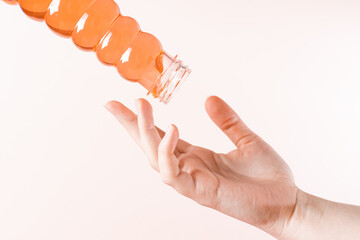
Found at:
<point>69,171</point>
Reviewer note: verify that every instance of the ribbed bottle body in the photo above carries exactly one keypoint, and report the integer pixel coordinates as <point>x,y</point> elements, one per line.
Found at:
<point>118,40</point>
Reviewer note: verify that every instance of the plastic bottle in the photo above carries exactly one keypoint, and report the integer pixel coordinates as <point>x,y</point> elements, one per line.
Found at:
<point>117,40</point>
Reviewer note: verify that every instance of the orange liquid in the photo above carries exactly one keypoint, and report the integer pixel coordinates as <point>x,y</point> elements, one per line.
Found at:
<point>141,53</point>
<point>36,9</point>
<point>12,2</point>
<point>118,38</point>
<point>98,25</point>
<point>94,23</point>
<point>63,15</point>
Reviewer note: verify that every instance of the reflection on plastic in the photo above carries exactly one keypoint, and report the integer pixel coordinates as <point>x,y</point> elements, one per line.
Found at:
<point>117,40</point>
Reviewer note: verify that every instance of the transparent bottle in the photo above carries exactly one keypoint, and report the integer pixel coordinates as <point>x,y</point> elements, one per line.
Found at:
<point>99,26</point>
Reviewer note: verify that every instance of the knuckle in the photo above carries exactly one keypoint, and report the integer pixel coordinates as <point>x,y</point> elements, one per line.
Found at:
<point>167,179</point>
<point>246,139</point>
<point>230,123</point>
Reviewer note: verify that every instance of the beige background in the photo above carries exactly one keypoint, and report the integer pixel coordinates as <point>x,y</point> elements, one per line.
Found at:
<point>68,170</point>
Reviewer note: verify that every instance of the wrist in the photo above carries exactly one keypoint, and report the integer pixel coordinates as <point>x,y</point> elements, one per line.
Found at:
<point>306,216</point>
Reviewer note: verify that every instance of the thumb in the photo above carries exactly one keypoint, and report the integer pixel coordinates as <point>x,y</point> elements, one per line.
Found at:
<point>228,121</point>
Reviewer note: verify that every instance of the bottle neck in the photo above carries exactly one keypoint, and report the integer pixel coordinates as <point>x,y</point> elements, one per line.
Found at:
<point>172,76</point>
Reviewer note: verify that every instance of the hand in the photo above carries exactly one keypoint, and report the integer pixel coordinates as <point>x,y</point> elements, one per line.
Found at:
<point>251,183</point>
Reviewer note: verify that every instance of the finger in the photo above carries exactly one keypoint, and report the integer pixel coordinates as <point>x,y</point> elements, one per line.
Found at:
<point>149,136</point>
<point>181,146</point>
<point>228,121</point>
<point>169,164</point>
<point>130,121</point>
<point>126,117</point>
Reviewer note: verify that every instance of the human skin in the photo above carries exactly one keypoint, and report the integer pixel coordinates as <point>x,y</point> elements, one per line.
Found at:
<point>251,183</point>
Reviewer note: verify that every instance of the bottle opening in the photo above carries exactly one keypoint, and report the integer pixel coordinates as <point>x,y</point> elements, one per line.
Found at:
<point>171,79</point>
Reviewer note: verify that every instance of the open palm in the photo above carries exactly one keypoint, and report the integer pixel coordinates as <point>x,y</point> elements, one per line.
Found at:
<point>251,183</point>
